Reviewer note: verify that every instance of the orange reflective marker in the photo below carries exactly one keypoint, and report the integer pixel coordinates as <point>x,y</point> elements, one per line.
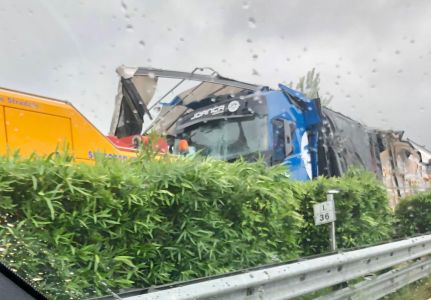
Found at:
<point>183,146</point>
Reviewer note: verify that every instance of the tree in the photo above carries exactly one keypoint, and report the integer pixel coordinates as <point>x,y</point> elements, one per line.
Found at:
<point>309,86</point>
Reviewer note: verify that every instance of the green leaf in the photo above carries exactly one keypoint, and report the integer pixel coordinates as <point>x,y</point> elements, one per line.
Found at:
<point>34,180</point>
<point>96,262</point>
<point>125,259</point>
<point>50,207</point>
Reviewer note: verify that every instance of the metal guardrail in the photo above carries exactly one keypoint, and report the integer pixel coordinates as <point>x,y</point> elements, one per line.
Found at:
<point>299,278</point>
<point>384,284</point>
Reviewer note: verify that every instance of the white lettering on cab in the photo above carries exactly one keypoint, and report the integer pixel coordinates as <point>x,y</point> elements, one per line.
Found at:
<point>210,111</point>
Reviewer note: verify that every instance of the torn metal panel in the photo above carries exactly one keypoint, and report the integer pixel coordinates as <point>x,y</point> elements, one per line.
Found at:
<point>389,180</point>
<point>405,166</point>
<point>425,158</point>
<point>346,143</point>
<point>200,95</point>
<point>131,103</point>
<point>207,90</point>
<point>138,86</point>
<point>214,77</point>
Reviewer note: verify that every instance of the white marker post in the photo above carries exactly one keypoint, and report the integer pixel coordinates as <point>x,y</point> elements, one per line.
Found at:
<point>325,213</point>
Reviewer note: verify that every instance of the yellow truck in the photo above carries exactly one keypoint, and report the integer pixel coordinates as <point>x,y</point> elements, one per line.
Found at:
<point>38,124</point>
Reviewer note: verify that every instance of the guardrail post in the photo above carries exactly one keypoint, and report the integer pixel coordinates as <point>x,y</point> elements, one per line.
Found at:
<point>332,239</point>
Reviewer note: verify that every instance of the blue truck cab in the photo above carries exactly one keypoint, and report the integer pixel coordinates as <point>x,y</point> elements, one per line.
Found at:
<point>280,125</point>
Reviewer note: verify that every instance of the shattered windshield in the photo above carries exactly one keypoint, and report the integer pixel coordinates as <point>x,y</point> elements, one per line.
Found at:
<point>228,139</point>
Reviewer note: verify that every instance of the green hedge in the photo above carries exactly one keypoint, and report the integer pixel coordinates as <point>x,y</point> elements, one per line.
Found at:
<point>413,214</point>
<point>76,228</point>
<point>363,213</point>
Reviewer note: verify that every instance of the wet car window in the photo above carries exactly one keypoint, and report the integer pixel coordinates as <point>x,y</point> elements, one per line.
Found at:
<point>124,69</point>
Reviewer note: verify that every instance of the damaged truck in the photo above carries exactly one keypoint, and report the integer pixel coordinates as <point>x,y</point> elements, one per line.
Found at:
<point>228,119</point>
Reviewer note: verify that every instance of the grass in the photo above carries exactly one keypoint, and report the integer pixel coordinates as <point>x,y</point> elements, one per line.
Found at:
<point>419,290</point>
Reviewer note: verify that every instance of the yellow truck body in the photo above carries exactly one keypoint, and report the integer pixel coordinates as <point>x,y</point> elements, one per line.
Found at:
<point>41,125</point>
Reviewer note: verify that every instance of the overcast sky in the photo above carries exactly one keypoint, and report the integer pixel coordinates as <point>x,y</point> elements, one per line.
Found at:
<point>373,56</point>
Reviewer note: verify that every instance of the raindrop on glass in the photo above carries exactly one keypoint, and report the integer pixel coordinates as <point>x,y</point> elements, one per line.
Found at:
<point>251,22</point>
<point>123,6</point>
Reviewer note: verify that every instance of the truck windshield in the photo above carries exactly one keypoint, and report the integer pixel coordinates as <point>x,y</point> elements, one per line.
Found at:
<point>229,139</point>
